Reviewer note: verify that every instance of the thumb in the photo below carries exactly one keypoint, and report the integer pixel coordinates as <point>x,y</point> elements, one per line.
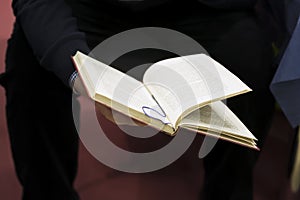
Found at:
<point>78,87</point>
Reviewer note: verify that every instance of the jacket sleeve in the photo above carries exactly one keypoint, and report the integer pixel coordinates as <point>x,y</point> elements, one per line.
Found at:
<point>230,4</point>
<point>52,33</point>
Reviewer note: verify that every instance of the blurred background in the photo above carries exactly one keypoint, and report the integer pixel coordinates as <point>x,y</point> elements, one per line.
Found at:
<point>270,176</point>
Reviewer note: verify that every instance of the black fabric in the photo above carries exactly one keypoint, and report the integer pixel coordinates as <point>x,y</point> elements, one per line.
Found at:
<point>293,152</point>
<point>43,138</point>
<point>237,41</point>
<point>39,114</point>
<point>3,79</point>
<point>52,33</point>
<point>58,37</point>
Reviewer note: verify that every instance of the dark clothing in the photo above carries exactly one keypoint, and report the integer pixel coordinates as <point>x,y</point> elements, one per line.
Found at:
<point>286,82</point>
<point>58,36</point>
<point>292,14</point>
<point>41,128</point>
<point>43,137</point>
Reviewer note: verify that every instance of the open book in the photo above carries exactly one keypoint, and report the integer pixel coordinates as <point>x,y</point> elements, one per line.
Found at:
<point>178,92</point>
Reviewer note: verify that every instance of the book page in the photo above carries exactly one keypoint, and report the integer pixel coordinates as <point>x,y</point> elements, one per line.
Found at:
<point>115,88</point>
<point>217,117</point>
<point>125,90</point>
<point>183,84</point>
<point>89,71</point>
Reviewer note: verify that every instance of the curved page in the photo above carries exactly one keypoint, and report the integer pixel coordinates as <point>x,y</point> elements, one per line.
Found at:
<point>183,84</point>
<point>115,89</point>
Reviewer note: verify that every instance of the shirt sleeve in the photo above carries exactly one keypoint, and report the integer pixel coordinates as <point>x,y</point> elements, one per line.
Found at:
<point>52,33</point>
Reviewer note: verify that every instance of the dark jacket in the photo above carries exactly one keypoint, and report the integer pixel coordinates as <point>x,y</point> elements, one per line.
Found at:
<point>52,31</point>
